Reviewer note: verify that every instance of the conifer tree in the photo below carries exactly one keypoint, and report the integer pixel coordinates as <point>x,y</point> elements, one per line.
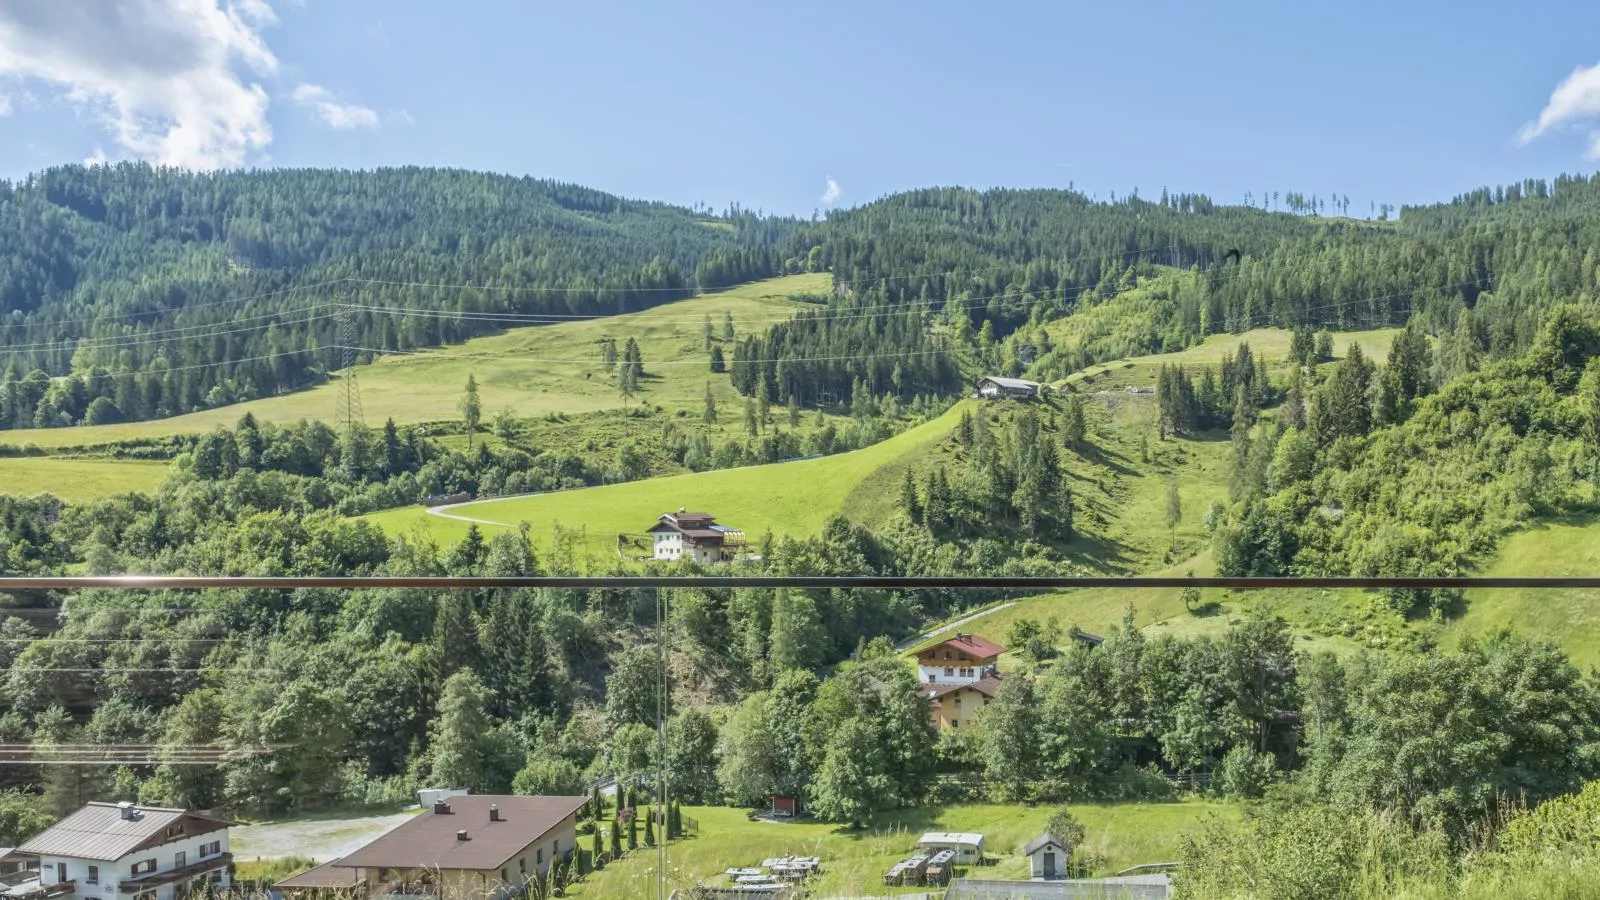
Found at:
<point>710,414</point>
<point>471,409</point>
<point>908,498</point>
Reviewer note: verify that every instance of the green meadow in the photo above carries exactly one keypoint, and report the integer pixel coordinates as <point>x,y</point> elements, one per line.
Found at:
<point>793,498</point>
<point>534,371</point>
<point>78,479</point>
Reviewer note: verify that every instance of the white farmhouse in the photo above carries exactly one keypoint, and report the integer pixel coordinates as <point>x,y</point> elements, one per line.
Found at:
<point>119,851</point>
<point>693,535</point>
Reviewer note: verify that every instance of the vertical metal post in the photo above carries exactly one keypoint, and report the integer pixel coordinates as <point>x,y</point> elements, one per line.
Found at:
<point>662,693</point>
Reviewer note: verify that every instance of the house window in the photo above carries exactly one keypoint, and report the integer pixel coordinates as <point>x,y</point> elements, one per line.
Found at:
<point>538,857</point>
<point>383,874</point>
<point>955,723</point>
<point>211,849</point>
<point>144,867</point>
<point>174,830</point>
<point>949,671</point>
<point>958,703</point>
<point>94,875</point>
<point>522,865</point>
<point>503,876</point>
<point>180,859</point>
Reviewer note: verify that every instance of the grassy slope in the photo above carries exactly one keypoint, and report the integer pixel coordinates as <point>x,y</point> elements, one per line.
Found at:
<point>788,498</point>
<point>1122,835</point>
<point>1121,502</point>
<point>1273,342</point>
<point>534,370</point>
<point>78,479</point>
<point>1571,618</point>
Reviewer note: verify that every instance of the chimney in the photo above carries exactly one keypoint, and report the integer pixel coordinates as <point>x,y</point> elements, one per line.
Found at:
<point>126,809</point>
<point>494,812</point>
<point>441,807</point>
<point>682,510</point>
<point>462,835</point>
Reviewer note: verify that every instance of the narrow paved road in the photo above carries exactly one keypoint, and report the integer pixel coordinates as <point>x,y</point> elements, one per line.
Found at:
<point>444,512</point>
<point>916,639</point>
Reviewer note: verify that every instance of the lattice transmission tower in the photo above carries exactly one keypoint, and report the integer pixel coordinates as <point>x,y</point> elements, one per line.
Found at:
<point>348,411</point>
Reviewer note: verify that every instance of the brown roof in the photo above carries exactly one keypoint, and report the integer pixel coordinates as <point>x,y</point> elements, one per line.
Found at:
<point>986,686</point>
<point>98,831</point>
<point>328,876</point>
<point>429,840</point>
<point>970,644</point>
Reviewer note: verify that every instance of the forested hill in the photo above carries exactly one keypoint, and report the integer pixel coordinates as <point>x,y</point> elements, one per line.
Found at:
<point>163,292</point>
<point>212,287</point>
<point>1481,273</point>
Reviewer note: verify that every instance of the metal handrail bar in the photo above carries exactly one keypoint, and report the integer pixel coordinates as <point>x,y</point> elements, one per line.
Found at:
<point>892,582</point>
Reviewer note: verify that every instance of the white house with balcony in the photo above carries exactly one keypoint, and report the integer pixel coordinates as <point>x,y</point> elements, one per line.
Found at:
<point>694,535</point>
<point>119,851</point>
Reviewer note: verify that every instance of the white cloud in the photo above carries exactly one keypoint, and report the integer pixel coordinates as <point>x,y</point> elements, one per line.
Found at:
<point>333,113</point>
<point>831,194</point>
<point>5,106</point>
<point>1574,100</point>
<point>162,75</point>
<point>97,158</point>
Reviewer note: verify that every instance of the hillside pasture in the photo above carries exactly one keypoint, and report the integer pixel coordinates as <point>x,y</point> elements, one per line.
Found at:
<point>1141,371</point>
<point>78,479</point>
<point>791,498</point>
<point>533,370</point>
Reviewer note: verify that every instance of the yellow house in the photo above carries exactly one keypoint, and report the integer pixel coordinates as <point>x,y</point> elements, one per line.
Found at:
<point>954,705</point>
<point>472,846</point>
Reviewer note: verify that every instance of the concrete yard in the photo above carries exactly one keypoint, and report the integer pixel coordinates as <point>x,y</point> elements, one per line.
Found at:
<point>318,839</point>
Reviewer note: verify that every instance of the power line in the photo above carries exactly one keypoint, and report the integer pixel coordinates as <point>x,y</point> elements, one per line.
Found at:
<point>230,362</point>
<point>151,337</point>
<point>178,309</point>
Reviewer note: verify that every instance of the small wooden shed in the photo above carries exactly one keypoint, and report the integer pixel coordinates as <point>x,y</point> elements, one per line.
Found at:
<point>1048,856</point>
<point>785,805</point>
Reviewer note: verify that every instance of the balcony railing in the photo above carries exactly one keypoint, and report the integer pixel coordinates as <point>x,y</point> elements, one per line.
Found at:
<point>156,879</point>
<point>43,891</point>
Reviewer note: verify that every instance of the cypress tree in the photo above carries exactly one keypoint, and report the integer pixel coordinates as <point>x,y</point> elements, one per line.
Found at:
<point>650,829</point>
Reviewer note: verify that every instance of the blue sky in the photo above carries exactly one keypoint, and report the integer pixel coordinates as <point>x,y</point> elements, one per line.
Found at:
<point>762,104</point>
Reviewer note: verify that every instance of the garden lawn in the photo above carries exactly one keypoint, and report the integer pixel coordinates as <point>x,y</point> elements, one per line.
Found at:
<point>1119,836</point>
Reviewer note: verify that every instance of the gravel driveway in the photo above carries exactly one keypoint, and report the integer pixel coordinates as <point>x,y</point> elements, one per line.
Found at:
<point>318,839</point>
